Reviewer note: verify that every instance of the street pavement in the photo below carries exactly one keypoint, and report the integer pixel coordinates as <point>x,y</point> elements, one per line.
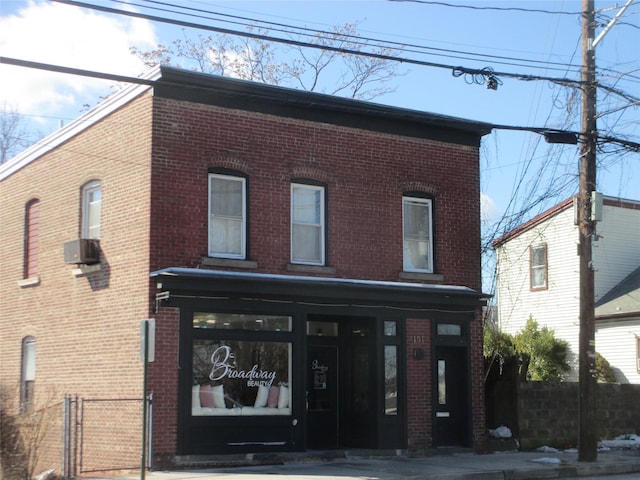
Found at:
<point>440,466</point>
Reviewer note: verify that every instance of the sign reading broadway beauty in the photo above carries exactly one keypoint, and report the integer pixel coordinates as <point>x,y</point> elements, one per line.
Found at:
<point>223,366</point>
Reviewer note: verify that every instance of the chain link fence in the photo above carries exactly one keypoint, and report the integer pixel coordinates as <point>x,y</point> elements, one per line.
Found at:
<point>76,437</point>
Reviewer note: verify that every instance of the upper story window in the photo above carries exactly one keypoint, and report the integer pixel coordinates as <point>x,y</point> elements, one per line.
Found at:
<point>538,266</point>
<point>91,209</point>
<point>417,234</point>
<point>32,238</point>
<point>227,216</point>
<point>28,373</point>
<point>307,224</point>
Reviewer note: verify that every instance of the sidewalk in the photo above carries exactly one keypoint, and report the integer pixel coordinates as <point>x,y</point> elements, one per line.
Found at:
<point>454,466</point>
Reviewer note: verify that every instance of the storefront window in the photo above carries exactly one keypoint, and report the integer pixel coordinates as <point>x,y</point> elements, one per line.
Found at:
<point>241,377</point>
<point>319,329</point>
<point>449,329</point>
<point>390,329</point>
<point>239,321</point>
<point>390,380</point>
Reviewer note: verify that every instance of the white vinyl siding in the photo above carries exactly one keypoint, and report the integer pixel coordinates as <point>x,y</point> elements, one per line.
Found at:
<point>556,306</point>
<point>307,224</point>
<point>617,342</point>
<point>417,235</point>
<point>615,256</point>
<point>227,216</point>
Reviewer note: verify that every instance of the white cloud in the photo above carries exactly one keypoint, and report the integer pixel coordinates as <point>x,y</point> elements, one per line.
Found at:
<point>72,37</point>
<point>488,209</point>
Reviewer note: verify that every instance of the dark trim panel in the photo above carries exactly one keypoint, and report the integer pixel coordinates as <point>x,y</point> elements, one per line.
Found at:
<point>256,97</point>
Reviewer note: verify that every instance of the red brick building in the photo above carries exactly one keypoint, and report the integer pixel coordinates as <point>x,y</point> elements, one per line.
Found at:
<point>312,264</point>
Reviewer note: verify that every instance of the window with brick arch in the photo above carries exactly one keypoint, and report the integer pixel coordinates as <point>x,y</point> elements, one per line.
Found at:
<point>227,216</point>
<point>417,234</point>
<point>32,238</point>
<point>308,223</point>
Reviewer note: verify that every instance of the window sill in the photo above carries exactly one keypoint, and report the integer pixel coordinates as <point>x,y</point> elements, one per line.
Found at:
<point>425,277</point>
<point>299,268</point>
<point>29,282</point>
<point>229,262</point>
<point>85,269</point>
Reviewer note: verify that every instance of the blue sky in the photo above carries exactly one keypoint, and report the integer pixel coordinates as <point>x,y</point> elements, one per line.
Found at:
<point>516,166</point>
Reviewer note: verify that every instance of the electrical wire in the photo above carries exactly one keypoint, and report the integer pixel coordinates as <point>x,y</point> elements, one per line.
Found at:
<point>380,56</point>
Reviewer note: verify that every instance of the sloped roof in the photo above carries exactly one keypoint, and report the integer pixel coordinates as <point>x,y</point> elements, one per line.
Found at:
<point>623,300</point>
<point>537,220</point>
<point>555,210</point>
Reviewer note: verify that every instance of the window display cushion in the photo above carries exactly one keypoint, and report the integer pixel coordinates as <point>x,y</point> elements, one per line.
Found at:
<point>274,395</point>
<point>218,397</point>
<point>195,397</point>
<point>209,412</point>
<point>261,411</point>
<point>262,397</point>
<point>245,411</point>
<point>206,396</point>
<point>283,398</point>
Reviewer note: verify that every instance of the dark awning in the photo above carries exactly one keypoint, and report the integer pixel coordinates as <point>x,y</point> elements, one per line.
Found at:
<point>204,283</point>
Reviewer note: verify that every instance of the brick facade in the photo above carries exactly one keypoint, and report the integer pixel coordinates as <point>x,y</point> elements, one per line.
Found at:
<point>152,155</point>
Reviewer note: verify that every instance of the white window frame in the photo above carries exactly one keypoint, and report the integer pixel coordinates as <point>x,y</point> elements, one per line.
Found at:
<point>28,372</point>
<point>538,267</point>
<point>320,226</point>
<point>241,251</point>
<point>91,225</point>
<point>408,238</point>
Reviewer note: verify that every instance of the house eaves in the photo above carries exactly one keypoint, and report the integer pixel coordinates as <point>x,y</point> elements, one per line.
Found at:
<point>555,210</point>
<point>91,117</point>
<point>534,222</point>
<point>622,301</point>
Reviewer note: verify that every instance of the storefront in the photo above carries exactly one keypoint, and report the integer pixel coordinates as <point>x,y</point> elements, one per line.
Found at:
<point>285,363</point>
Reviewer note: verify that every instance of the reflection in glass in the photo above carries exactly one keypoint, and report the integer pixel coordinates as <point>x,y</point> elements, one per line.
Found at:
<point>239,321</point>
<point>449,329</point>
<point>390,380</point>
<point>390,329</point>
<point>442,384</point>
<point>320,329</point>
<point>241,378</point>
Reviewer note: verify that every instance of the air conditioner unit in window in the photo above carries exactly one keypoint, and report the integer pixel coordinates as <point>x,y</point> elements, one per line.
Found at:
<point>82,250</point>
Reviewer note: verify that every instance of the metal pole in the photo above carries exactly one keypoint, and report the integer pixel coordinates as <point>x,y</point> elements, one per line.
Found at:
<point>588,442</point>
<point>143,457</point>
<point>65,438</point>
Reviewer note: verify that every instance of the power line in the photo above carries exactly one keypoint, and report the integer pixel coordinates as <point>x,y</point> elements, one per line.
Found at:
<point>357,39</point>
<point>145,81</point>
<point>498,9</point>
<point>298,43</point>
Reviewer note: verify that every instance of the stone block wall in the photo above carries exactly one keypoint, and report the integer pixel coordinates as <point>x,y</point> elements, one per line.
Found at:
<point>548,413</point>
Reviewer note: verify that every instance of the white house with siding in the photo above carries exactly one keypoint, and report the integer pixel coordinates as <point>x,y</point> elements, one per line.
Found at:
<point>538,276</point>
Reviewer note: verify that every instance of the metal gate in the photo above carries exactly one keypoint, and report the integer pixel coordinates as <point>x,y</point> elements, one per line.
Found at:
<point>103,435</point>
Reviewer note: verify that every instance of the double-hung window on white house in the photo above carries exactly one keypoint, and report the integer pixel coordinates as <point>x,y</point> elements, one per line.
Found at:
<point>538,267</point>
<point>227,216</point>
<point>417,234</point>
<point>307,224</point>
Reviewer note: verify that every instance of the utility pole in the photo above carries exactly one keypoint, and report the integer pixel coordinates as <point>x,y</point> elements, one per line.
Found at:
<point>588,441</point>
